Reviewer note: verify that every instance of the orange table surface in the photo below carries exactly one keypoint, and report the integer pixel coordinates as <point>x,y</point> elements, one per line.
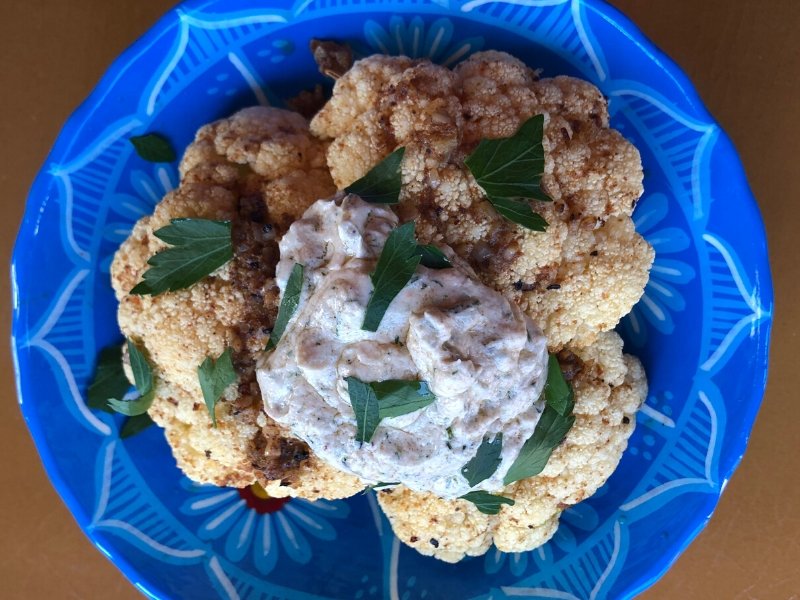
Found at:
<point>744,60</point>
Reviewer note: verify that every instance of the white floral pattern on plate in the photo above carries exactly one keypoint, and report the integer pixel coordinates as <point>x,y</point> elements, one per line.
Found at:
<point>248,518</point>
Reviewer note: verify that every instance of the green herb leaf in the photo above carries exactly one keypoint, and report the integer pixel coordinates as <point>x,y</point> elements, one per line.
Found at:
<point>154,148</point>
<point>365,406</point>
<point>519,212</point>
<point>397,397</point>
<point>373,402</point>
<point>488,504</point>
<point>394,270</point>
<point>549,433</point>
<point>200,247</point>
<point>135,407</point>
<point>109,379</point>
<point>134,425</point>
<point>143,379</point>
<point>291,298</point>
<point>485,462</point>
<point>557,392</point>
<point>142,373</point>
<point>215,376</point>
<point>432,257</point>
<point>380,485</point>
<point>382,184</point>
<point>509,170</point>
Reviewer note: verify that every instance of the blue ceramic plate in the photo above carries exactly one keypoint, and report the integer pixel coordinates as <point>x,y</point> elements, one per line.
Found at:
<point>701,329</point>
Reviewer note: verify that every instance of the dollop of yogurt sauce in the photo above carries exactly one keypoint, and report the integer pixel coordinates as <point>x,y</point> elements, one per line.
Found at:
<point>485,361</point>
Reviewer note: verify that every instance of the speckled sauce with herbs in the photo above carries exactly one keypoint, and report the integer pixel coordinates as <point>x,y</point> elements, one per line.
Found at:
<point>485,361</point>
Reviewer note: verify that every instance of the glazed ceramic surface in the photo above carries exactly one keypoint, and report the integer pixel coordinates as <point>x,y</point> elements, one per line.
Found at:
<point>701,328</point>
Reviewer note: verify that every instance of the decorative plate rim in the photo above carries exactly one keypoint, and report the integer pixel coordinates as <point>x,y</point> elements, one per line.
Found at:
<point>613,17</point>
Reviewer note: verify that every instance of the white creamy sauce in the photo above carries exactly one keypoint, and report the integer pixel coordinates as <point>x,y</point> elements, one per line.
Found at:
<point>485,361</point>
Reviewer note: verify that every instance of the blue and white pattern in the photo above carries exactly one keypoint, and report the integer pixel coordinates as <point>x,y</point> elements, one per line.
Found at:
<point>416,40</point>
<point>702,328</point>
<point>662,296</point>
<point>267,528</point>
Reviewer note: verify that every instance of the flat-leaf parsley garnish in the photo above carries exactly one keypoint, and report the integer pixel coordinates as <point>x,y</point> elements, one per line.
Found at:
<point>383,182</point>
<point>134,425</point>
<point>383,485</point>
<point>153,147</point>
<point>509,171</point>
<point>143,380</point>
<point>109,379</point>
<point>557,392</point>
<point>199,247</point>
<point>432,257</point>
<point>488,504</point>
<point>291,298</point>
<point>142,373</point>
<point>397,397</point>
<point>485,462</point>
<point>554,423</point>
<point>395,267</point>
<point>215,376</point>
<point>365,406</point>
<point>373,402</point>
<point>109,382</point>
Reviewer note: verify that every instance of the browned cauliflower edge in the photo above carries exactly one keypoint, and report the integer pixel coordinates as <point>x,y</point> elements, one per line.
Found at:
<point>259,169</point>
<point>590,267</point>
<point>609,388</point>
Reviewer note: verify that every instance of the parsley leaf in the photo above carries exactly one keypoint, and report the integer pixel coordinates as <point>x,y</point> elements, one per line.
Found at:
<point>153,148</point>
<point>550,431</point>
<point>432,257</point>
<point>381,485</point>
<point>557,392</point>
<point>143,380</point>
<point>485,461</point>
<point>397,397</point>
<point>109,379</point>
<point>289,302</point>
<point>382,184</point>
<point>200,247</point>
<point>394,270</point>
<point>215,376</point>
<point>488,504</point>
<point>519,212</point>
<point>133,408</point>
<point>509,171</point>
<point>142,373</point>
<point>365,405</point>
<point>134,425</point>
<point>373,402</point>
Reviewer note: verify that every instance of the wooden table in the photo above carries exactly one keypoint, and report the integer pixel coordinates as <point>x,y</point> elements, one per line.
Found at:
<point>745,61</point>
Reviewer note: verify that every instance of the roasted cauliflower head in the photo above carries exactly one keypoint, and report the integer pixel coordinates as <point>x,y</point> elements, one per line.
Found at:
<point>609,388</point>
<point>263,167</point>
<point>589,268</point>
<point>259,169</point>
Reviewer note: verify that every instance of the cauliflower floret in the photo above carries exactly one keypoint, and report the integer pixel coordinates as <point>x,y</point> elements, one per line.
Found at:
<point>578,278</point>
<point>609,388</point>
<point>260,169</point>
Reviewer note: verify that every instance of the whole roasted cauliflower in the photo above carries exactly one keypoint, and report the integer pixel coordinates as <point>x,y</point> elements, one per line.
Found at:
<point>262,167</point>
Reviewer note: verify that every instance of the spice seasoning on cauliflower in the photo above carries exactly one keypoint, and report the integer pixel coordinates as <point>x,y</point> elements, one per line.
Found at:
<point>262,168</point>
<point>587,270</point>
<point>609,388</point>
<point>258,169</point>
